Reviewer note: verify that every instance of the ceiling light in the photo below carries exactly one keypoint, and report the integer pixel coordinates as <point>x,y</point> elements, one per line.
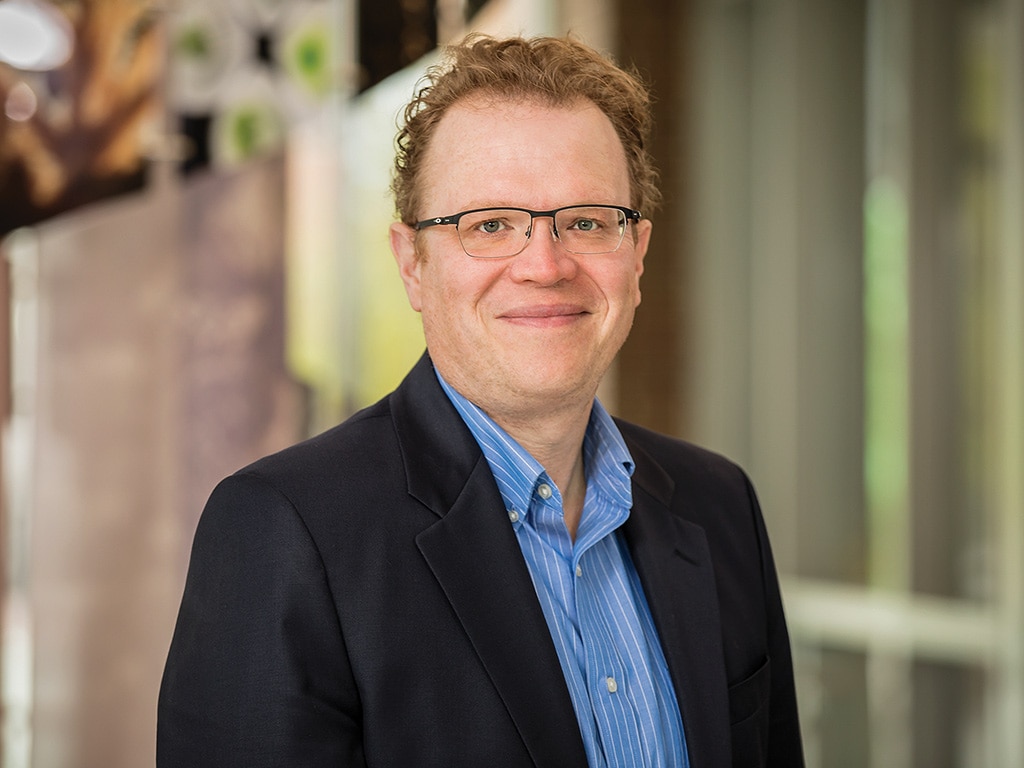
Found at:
<point>34,36</point>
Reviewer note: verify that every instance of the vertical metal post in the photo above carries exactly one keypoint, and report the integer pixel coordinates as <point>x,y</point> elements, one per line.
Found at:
<point>887,376</point>
<point>21,250</point>
<point>1009,679</point>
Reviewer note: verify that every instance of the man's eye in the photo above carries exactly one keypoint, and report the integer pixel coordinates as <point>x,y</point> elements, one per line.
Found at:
<point>586,225</point>
<point>491,226</point>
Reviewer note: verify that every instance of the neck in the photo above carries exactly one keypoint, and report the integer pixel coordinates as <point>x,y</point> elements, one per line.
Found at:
<point>555,440</point>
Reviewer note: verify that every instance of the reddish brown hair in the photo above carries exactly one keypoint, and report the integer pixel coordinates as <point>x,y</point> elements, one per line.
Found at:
<point>557,71</point>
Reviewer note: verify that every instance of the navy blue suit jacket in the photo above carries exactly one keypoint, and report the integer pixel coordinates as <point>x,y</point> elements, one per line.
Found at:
<point>361,600</point>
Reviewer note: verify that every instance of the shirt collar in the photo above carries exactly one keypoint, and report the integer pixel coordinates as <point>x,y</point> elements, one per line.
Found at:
<point>609,465</point>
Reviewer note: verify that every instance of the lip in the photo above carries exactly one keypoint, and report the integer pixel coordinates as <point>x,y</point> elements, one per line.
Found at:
<point>544,315</point>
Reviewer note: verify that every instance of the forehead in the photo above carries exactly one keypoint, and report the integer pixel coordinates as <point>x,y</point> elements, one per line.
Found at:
<point>488,150</point>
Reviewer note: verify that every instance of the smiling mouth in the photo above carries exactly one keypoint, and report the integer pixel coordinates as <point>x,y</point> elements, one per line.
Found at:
<point>545,315</point>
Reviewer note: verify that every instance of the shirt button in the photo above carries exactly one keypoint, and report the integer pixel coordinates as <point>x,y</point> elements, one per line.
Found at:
<point>513,516</point>
<point>612,685</point>
<point>579,570</point>
<point>544,491</point>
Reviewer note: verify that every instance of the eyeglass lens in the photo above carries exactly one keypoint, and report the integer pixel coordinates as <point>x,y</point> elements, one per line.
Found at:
<point>497,232</point>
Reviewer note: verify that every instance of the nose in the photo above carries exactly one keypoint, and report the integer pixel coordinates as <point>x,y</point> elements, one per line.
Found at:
<point>543,260</point>
<point>551,226</point>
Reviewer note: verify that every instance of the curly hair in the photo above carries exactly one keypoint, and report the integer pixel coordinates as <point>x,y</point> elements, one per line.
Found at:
<point>556,71</point>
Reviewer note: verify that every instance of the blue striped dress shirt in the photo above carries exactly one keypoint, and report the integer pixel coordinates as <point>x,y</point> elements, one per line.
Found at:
<point>590,593</point>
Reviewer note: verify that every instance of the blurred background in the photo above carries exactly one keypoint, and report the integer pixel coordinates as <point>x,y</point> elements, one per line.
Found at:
<point>193,223</point>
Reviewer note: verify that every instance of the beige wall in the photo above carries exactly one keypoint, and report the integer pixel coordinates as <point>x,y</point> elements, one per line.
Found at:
<point>151,329</point>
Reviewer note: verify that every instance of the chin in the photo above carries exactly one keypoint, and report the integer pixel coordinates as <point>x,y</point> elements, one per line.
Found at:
<point>558,386</point>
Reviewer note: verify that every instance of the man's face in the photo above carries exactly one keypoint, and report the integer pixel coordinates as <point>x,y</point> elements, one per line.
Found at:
<point>538,330</point>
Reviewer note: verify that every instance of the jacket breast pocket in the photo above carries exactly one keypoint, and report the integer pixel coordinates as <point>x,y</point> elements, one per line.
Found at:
<point>748,718</point>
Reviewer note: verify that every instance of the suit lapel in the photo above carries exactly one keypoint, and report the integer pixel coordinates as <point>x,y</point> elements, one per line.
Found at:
<point>672,558</point>
<point>473,553</point>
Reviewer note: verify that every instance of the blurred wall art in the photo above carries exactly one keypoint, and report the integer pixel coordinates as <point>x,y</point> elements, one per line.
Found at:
<point>79,91</point>
<point>242,72</point>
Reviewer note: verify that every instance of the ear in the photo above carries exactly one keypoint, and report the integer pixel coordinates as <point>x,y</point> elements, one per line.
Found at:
<point>643,239</point>
<point>403,246</point>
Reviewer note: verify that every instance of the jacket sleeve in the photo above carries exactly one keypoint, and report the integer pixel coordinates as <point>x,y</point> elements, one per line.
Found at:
<point>785,747</point>
<point>257,673</point>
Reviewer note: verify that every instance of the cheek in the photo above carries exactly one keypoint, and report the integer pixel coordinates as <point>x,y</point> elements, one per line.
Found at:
<point>469,282</point>
<point>448,294</point>
<point>623,289</point>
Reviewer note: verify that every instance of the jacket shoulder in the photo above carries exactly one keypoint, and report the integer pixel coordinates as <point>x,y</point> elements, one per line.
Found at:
<point>364,445</point>
<point>683,461</point>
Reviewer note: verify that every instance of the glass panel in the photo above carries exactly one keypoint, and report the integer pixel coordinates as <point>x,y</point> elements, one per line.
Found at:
<point>947,716</point>
<point>834,706</point>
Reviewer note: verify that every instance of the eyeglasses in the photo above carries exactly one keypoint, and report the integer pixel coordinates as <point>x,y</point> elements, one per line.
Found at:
<point>498,233</point>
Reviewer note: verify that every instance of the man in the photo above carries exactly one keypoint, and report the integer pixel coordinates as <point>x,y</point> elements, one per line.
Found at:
<point>484,568</point>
